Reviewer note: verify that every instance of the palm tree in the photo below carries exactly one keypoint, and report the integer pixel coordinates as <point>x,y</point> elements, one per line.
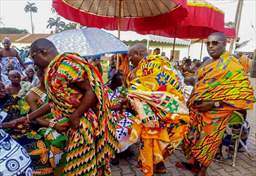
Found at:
<point>69,26</point>
<point>57,23</point>
<point>53,10</point>
<point>230,24</point>
<point>31,8</point>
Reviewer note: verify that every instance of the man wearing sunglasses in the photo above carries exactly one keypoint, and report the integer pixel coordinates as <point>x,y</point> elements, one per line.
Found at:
<point>222,88</point>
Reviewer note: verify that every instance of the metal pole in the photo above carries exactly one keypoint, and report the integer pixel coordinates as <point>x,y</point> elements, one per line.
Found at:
<point>201,52</point>
<point>237,23</point>
<point>148,43</point>
<point>119,17</point>
<point>189,49</point>
<point>118,28</point>
<point>173,47</point>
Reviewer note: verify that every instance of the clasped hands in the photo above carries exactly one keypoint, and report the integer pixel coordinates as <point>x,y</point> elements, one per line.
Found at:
<point>24,121</point>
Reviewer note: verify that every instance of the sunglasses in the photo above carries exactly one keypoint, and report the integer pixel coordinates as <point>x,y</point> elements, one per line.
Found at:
<point>213,43</point>
<point>32,55</point>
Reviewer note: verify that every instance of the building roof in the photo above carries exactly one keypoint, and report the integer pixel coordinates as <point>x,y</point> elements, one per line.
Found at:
<point>23,38</point>
<point>129,36</point>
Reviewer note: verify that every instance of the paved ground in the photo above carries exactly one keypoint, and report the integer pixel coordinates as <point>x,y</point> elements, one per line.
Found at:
<point>245,165</point>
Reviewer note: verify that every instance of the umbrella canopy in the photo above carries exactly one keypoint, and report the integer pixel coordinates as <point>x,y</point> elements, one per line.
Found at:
<point>134,15</point>
<point>88,42</point>
<point>203,18</point>
<point>230,32</point>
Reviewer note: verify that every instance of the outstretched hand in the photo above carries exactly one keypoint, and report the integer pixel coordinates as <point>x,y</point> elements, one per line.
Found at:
<point>14,123</point>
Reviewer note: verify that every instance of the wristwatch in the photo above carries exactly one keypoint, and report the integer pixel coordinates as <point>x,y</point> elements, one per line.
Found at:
<point>216,104</point>
<point>52,124</point>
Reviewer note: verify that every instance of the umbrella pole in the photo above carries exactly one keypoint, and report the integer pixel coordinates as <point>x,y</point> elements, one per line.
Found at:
<point>189,50</point>
<point>117,57</point>
<point>173,48</point>
<point>237,24</point>
<point>148,44</point>
<point>201,52</point>
<point>118,28</point>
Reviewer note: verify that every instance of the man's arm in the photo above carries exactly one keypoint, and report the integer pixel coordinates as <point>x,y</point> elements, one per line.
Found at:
<point>32,101</point>
<point>34,115</point>
<point>89,100</point>
<point>19,59</point>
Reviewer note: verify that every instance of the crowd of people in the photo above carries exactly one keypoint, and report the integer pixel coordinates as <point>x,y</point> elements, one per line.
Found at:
<point>58,117</point>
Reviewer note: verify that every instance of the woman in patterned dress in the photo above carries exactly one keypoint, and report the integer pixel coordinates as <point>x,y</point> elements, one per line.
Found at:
<point>14,158</point>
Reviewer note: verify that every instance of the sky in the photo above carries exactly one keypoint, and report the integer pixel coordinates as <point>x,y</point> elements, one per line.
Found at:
<point>13,15</point>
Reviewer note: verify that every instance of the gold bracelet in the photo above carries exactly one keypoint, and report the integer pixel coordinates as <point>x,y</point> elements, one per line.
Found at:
<point>28,118</point>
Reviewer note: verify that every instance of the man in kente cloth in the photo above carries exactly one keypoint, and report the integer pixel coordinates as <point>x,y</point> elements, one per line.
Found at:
<point>155,92</point>
<point>222,88</point>
<point>79,105</point>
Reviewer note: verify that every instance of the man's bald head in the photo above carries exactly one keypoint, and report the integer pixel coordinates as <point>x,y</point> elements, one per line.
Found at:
<point>42,51</point>
<point>219,36</point>
<point>216,44</point>
<point>136,53</point>
<point>6,43</point>
<point>42,44</point>
<point>139,48</point>
<point>6,39</point>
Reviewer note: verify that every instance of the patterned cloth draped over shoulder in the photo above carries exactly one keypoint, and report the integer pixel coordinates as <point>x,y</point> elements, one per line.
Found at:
<point>222,80</point>
<point>90,147</point>
<point>157,96</point>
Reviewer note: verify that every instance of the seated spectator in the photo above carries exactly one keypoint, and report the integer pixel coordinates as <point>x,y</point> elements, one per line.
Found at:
<point>31,76</point>
<point>17,87</point>
<point>4,78</point>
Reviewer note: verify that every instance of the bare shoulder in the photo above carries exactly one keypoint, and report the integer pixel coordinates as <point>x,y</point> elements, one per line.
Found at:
<point>14,51</point>
<point>31,97</point>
